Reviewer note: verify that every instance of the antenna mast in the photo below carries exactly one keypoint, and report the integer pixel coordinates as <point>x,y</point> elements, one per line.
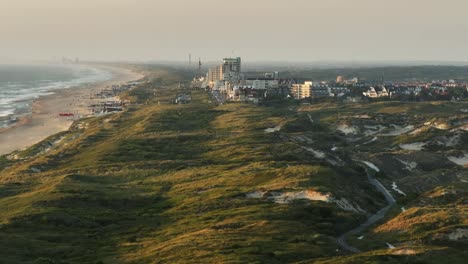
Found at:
<point>199,67</point>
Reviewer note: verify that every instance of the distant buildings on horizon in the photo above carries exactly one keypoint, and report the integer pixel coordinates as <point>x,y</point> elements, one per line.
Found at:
<point>228,79</point>
<point>66,60</point>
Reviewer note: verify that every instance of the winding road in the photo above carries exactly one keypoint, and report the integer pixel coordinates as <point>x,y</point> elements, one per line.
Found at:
<point>341,240</point>
<point>369,167</point>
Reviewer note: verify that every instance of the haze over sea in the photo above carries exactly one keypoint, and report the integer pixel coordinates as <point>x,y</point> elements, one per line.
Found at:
<point>21,84</point>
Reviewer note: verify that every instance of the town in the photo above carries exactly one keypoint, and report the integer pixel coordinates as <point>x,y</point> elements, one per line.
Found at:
<point>227,82</point>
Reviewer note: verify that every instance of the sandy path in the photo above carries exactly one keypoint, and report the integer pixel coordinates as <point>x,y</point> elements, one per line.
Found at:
<point>44,120</point>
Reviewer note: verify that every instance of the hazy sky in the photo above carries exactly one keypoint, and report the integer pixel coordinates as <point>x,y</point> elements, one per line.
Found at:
<point>294,30</point>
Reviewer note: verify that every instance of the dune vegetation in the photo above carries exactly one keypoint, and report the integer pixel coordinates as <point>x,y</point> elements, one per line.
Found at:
<point>207,183</point>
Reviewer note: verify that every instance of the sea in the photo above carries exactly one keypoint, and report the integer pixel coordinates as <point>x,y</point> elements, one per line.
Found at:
<point>20,85</point>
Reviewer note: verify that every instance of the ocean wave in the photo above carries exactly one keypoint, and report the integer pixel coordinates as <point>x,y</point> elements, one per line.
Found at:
<point>7,112</point>
<point>13,93</point>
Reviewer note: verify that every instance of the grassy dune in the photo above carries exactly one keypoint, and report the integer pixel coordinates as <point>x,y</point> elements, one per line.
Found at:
<point>166,183</point>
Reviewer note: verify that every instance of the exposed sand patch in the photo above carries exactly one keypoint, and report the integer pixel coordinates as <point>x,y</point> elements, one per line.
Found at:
<point>398,130</point>
<point>460,160</point>
<point>419,130</point>
<point>255,194</point>
<point>458,234</point>
<point>404,251</point>
<point>318,154</point>
<point>441,126</point>
<point>438,125</point>
<point>372,130</point>
<point>463,128</point>
<point>408,165</point>
<point>288,197</point>
<point>273,129</point>
<point>416,146</point>
<point>366,116</point>
<point>390,246</point>
<point>82,125</point>
<point>395,188</point>
<point>347,130</point>
<point>441,192</point>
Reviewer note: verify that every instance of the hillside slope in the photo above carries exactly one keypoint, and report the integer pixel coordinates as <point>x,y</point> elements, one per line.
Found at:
<point>191,183</point>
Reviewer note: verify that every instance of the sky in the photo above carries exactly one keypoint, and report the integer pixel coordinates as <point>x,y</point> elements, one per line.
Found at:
<point>257,30</point>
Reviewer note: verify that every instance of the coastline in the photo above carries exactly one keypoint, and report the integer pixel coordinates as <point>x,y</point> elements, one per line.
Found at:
<point>44,119</point>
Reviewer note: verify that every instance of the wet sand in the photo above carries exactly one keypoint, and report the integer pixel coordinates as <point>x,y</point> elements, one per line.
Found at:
<point>44,119</point>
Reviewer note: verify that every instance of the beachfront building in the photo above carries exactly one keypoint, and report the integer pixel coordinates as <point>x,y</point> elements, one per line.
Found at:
<point>225,74</point>
<point>261,83</point>
<point>339,91</point>
<point>309,90</point>
<point>271,75</point>
<point>215,74</point>
<point>231,69</point>
<point>248,94</point>
<point>340,79</point>
<point>383,92</point>
<point>370,93</point>
<point>218,85</point>
<point>374,93</point>
<point>319,90</point>
<point>301,91</point>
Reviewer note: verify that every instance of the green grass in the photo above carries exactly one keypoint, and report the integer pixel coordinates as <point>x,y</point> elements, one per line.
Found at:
<point>166,183</point>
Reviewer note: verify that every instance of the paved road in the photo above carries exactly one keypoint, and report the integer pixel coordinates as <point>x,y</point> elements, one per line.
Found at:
<point>341,240</point>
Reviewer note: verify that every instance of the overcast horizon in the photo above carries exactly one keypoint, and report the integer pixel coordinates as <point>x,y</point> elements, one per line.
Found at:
<point>257,30</point>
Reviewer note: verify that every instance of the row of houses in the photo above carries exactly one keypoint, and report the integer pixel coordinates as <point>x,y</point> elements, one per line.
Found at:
<point>375,93</point>
<point>317,90</point>
<point>228,81</point>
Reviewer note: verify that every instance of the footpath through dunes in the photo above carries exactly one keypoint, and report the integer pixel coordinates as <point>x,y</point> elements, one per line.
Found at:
<point>168,183</point>
<point>341,240</point>
<point>429,222</point>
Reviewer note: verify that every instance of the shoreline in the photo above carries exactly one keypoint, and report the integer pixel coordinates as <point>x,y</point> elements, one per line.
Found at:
<point>44,120</point>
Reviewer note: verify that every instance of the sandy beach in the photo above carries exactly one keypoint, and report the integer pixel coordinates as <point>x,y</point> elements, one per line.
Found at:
<point>44,119</point>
